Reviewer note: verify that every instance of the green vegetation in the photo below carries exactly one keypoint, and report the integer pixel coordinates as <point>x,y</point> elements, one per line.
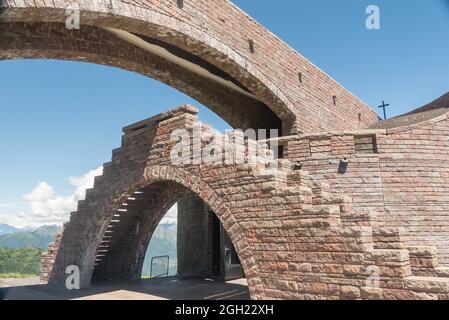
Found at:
<point>20,250</point>
<point>15,275</point>
<point>19,263</point>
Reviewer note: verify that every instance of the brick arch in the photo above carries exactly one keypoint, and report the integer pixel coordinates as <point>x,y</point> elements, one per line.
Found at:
<point>92,43</point>
<point>204,191</point>
<point>157,176</point>
<point>301,96</point>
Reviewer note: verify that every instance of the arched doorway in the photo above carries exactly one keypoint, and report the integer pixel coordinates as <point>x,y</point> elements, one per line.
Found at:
<point>205,250</point>
<point>204,247</point>
<point>91,227</point>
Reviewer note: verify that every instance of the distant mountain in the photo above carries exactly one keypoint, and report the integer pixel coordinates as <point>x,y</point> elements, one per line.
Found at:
<point>7,229</point>
<point>163,242</point>
<point>40,238</point>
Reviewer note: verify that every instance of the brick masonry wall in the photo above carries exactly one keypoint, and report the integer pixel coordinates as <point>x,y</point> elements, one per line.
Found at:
<point>48,258</point>
<point>347,165</point>
<point>415,175</point>
<point>400,175</point>
<point>301,95</point>
<point>295,236</point>
<point>195,238</point>
<point>339,203</point>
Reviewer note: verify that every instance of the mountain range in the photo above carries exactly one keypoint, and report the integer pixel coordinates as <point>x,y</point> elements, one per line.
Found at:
<point>6,229</point>
<point>163,242</point>
<point>12,237</point>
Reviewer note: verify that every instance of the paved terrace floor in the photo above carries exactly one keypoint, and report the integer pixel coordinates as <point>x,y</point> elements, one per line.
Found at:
<point>157,289</point>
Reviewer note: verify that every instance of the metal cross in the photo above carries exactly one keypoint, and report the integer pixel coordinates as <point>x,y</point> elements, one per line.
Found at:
<point>383,106</point>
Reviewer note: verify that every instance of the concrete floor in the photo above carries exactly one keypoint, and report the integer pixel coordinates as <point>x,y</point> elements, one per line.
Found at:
<point>169,288</point>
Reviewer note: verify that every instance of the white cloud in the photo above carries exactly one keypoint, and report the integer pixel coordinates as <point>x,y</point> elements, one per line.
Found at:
<point>41,192</point>
<point>84,182</point>
<point>6,205</point>
<point>47,207</point>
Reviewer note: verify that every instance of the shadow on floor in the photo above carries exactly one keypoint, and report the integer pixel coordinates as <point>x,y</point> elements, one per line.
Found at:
<point>170,288</point>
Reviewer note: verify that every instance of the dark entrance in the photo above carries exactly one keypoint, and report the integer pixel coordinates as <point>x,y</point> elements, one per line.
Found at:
<point>226,263</point>
<point>204,247</point>
<point>231,266</point>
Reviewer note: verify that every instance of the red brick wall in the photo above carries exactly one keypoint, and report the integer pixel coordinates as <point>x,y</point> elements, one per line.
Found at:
<point>415,176</point>
<point>405,181</point>
<point>323,156</point>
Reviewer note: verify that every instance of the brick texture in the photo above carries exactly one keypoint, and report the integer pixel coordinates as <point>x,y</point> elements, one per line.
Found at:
<point>213,30</point>
<point>194,238</point>
<point>345,202</point>
<point>315,232</point>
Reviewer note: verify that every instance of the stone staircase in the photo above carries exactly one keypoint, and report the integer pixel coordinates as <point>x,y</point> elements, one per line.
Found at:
<point>122,223</point>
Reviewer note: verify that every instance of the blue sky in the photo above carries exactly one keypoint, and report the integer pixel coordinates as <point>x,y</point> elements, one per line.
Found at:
<point>62,119</point>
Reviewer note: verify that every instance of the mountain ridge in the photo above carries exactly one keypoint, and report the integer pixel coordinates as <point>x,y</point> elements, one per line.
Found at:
<point>7,229</point>
<point>40,237</point>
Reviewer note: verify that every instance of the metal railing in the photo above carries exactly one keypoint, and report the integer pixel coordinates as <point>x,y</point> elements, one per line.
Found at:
<point>165,274</point>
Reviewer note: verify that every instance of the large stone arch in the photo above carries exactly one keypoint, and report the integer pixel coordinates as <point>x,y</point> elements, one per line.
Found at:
<point>144,160</point>
<point>273,86</point>
<point>155,176</point>
<point>39,32</point>
<point>152,176</point>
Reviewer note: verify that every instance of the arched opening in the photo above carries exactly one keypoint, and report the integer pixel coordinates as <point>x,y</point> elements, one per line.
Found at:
<point>205,251</point>
<point>238,103</point>
<point>201,66</point>
<point>218,276</point>
<point>204,247</point>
